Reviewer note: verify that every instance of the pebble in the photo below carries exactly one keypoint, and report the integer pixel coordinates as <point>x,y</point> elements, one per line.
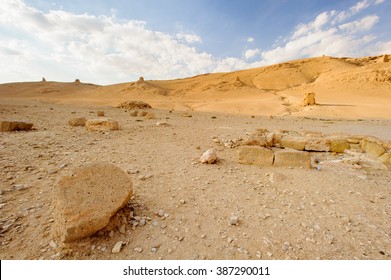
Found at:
<point>142,222</point>
<point>258,254</point>
<point>122,229</point>
<point>53,244</point>
<point>234,220</point>
<point>117,247</point>
<point>182,201</point>
<point>161,213</point>
<point>138,249</point>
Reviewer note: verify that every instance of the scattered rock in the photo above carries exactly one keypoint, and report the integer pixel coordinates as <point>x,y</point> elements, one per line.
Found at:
<point>234,220</point>
<point>150,116</point>
<point>100,113</point>
<point>163,124</point>
<point>210,156</point>
<point>255,155</point>
<point>186,115</point>
<point>7,126</point>
<point>117,247</point>
<point>134,105</point>
<point>309,99</point>
<point>142,114</point>
<point>134,114</point>
<point>138,249</point>
<point>77,122</point>
<point>102,124</point>
<point>86,201</point>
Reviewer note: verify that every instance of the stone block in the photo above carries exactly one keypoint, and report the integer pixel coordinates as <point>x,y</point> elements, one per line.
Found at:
<point>255,155</point>
<point>291,158</point>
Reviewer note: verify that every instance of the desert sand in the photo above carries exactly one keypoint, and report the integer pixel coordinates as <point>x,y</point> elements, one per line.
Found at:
<point>187,207</point>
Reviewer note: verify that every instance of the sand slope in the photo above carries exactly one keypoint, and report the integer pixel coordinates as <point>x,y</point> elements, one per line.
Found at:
<point>344,87</point>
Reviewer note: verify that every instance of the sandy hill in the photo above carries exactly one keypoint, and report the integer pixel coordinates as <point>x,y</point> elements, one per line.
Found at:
<point>344,87</point>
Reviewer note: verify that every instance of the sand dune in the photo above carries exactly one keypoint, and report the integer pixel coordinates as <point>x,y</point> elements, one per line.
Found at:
<point>344,87</point>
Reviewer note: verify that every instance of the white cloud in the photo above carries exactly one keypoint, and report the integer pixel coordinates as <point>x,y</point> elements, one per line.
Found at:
<point>360,6</point>
<point>189,38</point>
<point>363,24</point>
<point>250,40</point>
<point>251,53</point>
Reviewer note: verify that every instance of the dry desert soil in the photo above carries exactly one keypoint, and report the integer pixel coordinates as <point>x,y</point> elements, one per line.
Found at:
<point>182,209</point>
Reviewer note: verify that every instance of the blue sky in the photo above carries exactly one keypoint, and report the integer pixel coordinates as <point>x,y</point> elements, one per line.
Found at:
<point>118,41</point>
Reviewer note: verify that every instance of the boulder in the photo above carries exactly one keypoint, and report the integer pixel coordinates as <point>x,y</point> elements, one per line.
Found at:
<point>385,158</point>
<point>150,116</point>
<point>130,105</point>
<point>293,142</point>
<point>85,201</point>
<point>374,150</point>
<point>255,155</point>
<point>6,126</point>
<point>309,99</point>
<point>77,122</point>
<point>210,156</point>
<point>317,145</point>
<point>339,145</point>
<point>292,158</point>
<point>101,124</point>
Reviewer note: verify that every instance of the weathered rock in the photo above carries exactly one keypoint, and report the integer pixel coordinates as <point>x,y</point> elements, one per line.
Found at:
<point>309,99</point>
<point>150,116</point>
<point>77,122</point>
<point>6,126</point>
<point>293,142</point>
<point>134,113</point>
<point>85,202</point>
<point>117,247</point>
<point>210,156</point>
<point>317,145</point>
<point>292,158</point>
<point>100,113</point>
<point>134,105</point>
<point>339,145</point>
<point>385,158</point>
<point>102,124</point>
<point>374,150</point>
<point>234,220</point>
<point>142,114</point>
<point>256,155</point>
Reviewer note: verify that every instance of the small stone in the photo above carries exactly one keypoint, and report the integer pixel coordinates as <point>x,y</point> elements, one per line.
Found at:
<point>138,249</point>
<point>117,247</point>
<point>258,254</point>
<point>122,229</point>
<point>142,222</point>
<point>269,254</point>
<point>161,213</point>
<point>210,156</point>
<point>100,113</point>
<point>182,201</point>
<point>234,220</point>
<point>53,244</point>
<point>154,249</point>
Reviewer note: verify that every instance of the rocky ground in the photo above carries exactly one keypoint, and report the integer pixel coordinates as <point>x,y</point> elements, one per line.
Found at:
<point>182,209</point>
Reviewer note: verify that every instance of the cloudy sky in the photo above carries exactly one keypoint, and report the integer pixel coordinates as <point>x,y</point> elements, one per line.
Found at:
<point>112,41</point>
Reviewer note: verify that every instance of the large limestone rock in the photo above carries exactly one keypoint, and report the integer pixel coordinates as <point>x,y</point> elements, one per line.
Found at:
<point>77,122</point>
<point>85,202</point>
<point>255,155</point>
<point>309,99</point>
<point>292,158</point>
<point>339,145</point>
<point>6,126</point>
<point>293,142</point>
<point>317,145</point>
<point>374,150</point>
<point>101,124</point>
